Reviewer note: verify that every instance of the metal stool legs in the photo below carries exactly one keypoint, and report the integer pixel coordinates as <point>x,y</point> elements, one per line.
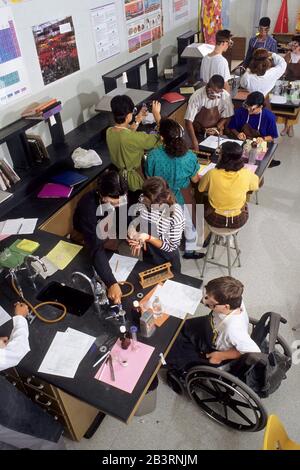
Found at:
<point>213,245</point>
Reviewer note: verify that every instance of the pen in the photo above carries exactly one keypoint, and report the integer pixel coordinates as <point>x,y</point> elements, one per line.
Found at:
<point>117,264</point>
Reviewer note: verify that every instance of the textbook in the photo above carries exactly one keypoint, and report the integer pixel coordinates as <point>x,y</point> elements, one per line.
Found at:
<point>173,97</point>
<point>187,90</point>
<point>52,190</point>
<point>69,178</point>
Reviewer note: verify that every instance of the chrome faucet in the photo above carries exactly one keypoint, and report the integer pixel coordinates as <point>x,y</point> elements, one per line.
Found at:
<point>212,131</point>
<point>32,273</point>
<point>97,287</point>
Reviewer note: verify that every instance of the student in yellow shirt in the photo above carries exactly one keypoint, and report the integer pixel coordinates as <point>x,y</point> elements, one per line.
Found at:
<point>227,186</point>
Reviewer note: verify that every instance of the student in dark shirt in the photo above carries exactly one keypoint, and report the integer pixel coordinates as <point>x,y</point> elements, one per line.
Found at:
<point>97,218</point>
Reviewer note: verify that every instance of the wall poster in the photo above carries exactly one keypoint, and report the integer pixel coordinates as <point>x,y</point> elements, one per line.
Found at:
<point>105,30</point>
<point>56,47</point>
<point>143,21</point>
<point>13,75</point>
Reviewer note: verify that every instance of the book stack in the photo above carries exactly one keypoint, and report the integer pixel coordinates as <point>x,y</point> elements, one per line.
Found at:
<point>43,110</point>
<point>61,185</point>
<point>8,176</point>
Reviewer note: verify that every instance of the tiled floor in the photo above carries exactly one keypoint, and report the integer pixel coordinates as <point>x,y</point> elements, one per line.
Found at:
<point>271,274</point>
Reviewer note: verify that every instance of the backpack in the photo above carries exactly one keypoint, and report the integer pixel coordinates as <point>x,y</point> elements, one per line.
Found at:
<point>263,372</point>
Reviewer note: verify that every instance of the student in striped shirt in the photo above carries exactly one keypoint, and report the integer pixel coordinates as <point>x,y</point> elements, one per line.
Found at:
<point>159,224</point>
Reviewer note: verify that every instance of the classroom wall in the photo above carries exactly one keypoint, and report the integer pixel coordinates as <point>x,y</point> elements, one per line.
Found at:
<point>273,7</point>
<point>241,17</point>
<point>80,91</point>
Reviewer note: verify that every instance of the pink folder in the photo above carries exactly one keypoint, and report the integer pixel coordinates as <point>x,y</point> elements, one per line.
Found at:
<point>126,377</point>
<point>54,190</point>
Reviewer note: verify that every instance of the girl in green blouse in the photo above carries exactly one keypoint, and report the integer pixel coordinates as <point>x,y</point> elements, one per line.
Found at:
<point>126,146</point>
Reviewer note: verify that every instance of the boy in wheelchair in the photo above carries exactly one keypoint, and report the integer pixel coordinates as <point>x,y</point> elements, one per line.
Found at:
<point>220,336</point>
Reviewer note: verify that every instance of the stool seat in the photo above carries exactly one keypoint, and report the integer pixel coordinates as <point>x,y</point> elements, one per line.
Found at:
<point>223,231</point>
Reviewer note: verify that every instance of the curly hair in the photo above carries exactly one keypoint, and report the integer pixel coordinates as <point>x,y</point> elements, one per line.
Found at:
<point>172,133</point>
<point>231,157</point>
<point>260,62</point>
<point>156,191</point>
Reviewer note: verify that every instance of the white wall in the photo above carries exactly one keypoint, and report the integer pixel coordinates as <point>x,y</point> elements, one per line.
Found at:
<point>273,7</point>
<point>242,17</point>
<point>80,91</point>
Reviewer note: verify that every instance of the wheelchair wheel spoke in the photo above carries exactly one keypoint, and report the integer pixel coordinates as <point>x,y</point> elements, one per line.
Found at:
<point>241,414</point>
<point>207,389</point>
<point>225,411</point>
<point>243,405</point>
<point>210,400</point>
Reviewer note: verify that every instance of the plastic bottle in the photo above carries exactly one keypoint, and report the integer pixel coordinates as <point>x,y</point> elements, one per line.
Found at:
<point>136,312</point>
<point>253,152</point>
<point>124,337</point>
<point>156,307</point>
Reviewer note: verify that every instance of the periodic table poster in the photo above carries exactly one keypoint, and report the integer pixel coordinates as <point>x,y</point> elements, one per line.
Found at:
<point>144,22</point>
<point>13,75</point>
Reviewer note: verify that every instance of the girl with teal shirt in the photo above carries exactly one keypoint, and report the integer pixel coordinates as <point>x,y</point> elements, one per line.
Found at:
<point>178,165</point>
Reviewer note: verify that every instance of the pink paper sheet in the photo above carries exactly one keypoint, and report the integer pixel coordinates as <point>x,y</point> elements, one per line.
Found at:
<point>126,377</point>
<point>250,167</point>
<point>2,237</point>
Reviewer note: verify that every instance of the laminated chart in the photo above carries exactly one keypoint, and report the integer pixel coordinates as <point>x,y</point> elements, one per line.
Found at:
<point>13,75</point>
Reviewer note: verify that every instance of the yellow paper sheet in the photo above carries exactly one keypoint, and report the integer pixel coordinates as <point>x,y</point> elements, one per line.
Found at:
<point>63,253</point>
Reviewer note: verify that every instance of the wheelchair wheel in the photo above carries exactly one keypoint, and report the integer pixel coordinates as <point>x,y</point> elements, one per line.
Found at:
<point>226,399</point>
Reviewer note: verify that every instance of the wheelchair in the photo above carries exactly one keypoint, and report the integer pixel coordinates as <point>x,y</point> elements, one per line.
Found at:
<point>221,394</point>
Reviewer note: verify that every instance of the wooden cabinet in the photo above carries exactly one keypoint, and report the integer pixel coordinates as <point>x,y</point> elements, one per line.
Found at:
<point>75,416</point>
<point>61,223</point>
<point>179,114</point>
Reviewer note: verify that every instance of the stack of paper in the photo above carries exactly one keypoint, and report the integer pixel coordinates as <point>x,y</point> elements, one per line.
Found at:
<point>17,226</point>
<point>66,352</point>
<point>178,299</point>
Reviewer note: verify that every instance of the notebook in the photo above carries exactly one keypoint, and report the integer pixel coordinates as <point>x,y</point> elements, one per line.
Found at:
<point>173,97</point>
<point>53,190</point>
<point>69,178</point>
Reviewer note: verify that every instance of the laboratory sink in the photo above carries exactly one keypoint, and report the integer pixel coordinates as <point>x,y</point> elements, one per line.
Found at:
<point>77,302</point>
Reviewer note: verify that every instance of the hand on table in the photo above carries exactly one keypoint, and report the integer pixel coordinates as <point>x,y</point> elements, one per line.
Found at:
<point>114,293</point>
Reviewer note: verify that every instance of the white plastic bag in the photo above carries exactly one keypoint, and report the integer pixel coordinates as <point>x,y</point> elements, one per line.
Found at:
<point>85,158</point>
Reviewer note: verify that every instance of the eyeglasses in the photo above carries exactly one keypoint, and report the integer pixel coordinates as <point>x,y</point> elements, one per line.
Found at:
<point>250,108</point>
<point>263,29</point>
<point>212,94</point>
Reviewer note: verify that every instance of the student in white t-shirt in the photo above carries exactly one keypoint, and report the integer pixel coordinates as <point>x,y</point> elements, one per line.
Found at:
<point>264,70</point>
<point>214,63</point>
<point>222,335</point>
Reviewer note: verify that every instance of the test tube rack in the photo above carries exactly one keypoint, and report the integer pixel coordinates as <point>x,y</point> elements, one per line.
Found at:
<point>153,276</point>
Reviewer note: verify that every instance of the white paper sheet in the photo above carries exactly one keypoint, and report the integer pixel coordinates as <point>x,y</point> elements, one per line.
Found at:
<point>11,226</point>
<point>178,299</point>
<point>51,268</point>
<point>206,168</point>
<point>122,266</point>
<point>28,226</point>
<point>66,352</point>
<point>212,142</point>
<point>4,316</point>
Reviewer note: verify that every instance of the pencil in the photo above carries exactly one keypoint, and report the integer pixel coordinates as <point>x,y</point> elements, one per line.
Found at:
<point>117,264</point>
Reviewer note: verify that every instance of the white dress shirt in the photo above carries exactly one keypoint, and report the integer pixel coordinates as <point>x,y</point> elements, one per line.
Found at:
<point>200,99</point>
<point>233,331</point>
<point>264,83</point>
<point>17,346</point>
